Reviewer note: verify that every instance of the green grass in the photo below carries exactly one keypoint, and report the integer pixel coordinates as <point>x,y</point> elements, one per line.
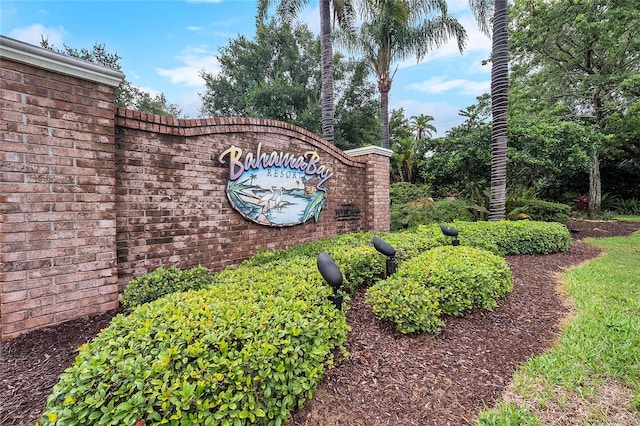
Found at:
<point>628,218</point>
<point>592,375</point>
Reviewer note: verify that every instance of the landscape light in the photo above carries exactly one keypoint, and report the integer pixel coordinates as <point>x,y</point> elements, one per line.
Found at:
<point>450,232</point>
<point>332,275</point>
<point>384,248</point>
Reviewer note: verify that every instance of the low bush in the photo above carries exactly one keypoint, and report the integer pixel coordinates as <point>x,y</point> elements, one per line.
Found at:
<point>445,280</point>
<point>515,237</point>
<point>247,350</point>
<point>360,266</point>
<point>543,211</point>
<point>424,211</point>
<point>160,282</point>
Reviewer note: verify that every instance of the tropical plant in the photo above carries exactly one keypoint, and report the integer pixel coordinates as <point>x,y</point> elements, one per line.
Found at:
<point>421,126</point>
<point>343,13</point>
<point>579,60</point>
<point>394,30</point>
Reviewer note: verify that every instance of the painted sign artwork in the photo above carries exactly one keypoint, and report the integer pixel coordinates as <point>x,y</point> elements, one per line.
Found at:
<point>277,188</point>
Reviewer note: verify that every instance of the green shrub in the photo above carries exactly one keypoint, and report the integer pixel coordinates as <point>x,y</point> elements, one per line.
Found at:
<point>515,237</point>
<point>360,266</point>
<point>424,211</point>
<point>403,192</point>
<point>543,211</point>
<point>411,243</point>
<point>160,282</point>
<point>247,350</point>
<point>444,280</point>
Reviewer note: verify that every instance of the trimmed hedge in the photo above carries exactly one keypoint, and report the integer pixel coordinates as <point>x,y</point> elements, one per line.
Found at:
<point>445,280</point>
<point>515,237</point>
<point>160,282</point>
<point>248,350</point>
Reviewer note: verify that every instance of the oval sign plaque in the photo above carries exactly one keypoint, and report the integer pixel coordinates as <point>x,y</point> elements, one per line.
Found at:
<point>277,188</point>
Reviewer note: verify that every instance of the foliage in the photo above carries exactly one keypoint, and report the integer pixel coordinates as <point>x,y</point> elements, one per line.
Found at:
<point>277,75</point>
<point>598,351</point>
<point>515,237</point>
<point>126,95</point>
<point>360,266</point>
<point>458,163</point>
<point>410,243</point>
<point>629,207</point>
<point>422,211</point>
<point>153,285</point>
<point>343,15</point>
<point>394,30</point>
<point>543,211</point>
<point>244,351</point>
<point>444,280</point>
<point>404,192</point>
<point>578,60</point>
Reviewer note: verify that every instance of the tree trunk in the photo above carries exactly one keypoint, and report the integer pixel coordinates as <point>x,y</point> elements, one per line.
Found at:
<point>328,119</point>
<point>384,86</point>
<point>595,192</point>
<point>499,99</point>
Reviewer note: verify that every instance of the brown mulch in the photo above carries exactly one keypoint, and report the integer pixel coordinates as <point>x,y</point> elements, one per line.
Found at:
<point>389,378</point>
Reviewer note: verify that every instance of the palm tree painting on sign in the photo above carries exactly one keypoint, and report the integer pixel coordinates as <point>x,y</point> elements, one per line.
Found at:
<point>276,199</point>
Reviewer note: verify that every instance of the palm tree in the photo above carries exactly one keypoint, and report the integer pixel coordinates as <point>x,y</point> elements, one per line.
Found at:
<point>422,127</point>
<point>344,14</point>
<point>393,30</point>
<point>499,98</point>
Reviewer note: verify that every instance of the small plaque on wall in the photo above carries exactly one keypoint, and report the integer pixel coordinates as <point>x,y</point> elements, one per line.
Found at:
<point>277,188</point>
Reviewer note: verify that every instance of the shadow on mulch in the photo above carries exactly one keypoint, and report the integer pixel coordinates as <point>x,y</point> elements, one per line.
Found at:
<point>389,378</point>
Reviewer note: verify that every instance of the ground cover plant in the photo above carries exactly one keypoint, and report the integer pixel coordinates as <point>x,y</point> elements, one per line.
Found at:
<point>356,358</point>
<point>593,374</point>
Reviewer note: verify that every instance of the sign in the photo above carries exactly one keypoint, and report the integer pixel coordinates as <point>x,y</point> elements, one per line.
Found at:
<point>277,188</point>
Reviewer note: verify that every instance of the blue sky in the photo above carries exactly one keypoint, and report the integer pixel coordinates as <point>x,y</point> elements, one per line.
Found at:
<point>164,45</point>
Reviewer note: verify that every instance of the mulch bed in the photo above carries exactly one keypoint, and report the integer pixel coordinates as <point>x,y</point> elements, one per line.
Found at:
<point>389,378</point>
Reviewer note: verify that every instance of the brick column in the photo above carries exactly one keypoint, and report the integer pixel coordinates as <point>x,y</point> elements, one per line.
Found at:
<point>378,208</point>
<point>57,188</point>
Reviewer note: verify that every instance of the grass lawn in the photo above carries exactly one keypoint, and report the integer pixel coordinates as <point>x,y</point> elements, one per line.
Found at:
<point>592,375</point>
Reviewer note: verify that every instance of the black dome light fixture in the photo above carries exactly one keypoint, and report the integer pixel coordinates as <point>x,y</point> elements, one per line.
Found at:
<point>450,232</point>
<point>332,275</point>
<point>385,248</point>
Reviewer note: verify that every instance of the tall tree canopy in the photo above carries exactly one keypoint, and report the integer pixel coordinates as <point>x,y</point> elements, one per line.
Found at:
<point>579,59</point>
<point>126,94</point>
<point>277,76</point>
<point>394,30</point>
<point>343,13</point>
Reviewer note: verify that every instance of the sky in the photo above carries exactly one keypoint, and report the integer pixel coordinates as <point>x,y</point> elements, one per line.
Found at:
<point>163,45</point>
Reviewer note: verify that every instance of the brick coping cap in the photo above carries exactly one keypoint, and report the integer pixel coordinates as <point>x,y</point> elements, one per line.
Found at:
<point>366,150</point>
<point>39,57</point>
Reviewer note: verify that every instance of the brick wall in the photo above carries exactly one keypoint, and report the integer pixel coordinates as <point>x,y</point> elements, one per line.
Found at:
<point>91,196</point>
<point>171,200</point>
<point>57,190</point>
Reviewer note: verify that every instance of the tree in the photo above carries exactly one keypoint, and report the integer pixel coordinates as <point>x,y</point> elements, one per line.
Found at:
<point>276,76</point>
<point>393,30</point>
<point>421,126</point>
<point>343,13</point>
<point>126,95</point>
<point>580,59</point>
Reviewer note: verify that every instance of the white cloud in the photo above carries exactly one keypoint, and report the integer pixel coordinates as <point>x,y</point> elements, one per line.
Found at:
<point>34,33</point>
<point>438,85</point>
<point>194,28</point>
<point>195,59</point>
